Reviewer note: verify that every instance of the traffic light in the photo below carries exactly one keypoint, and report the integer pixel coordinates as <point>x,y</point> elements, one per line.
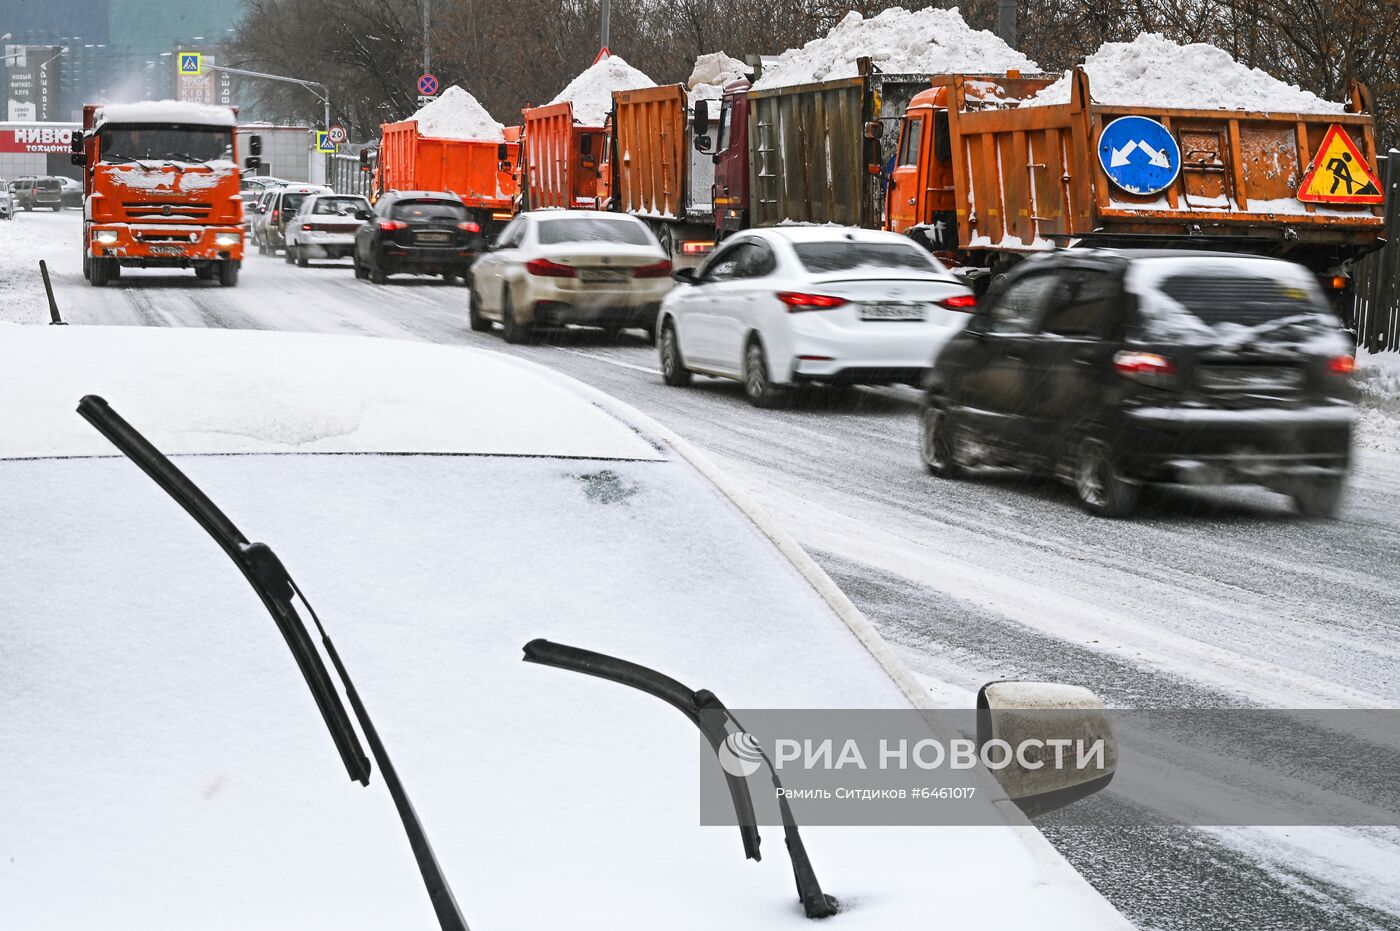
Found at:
<point>254,160</point>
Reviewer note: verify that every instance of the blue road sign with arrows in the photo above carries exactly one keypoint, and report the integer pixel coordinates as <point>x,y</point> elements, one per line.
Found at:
<point>1139,155</point>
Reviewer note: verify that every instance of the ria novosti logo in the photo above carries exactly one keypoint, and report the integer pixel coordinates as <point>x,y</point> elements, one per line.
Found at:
<point>740,754</point>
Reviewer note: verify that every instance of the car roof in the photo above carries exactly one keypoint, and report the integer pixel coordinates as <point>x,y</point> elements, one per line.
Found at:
<point>824,232</point>
<point>422,195</point>
<point>389,396</point>
<point>558,213</point>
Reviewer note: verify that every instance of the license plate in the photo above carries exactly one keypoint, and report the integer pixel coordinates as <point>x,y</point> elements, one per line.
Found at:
<point>891,310</point>
<point>433,237</point>
<point>1250,378</point>
<point>165,249</point>
<point>603,275</point>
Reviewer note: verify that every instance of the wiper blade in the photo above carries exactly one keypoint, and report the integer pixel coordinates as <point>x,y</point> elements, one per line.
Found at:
<point>125,158</point>
<point>269,578</point>
<point>708,713</point>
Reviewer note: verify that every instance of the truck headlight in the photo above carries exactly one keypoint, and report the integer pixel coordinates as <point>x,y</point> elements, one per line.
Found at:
<point>227,239</point>
<point>106,237</point>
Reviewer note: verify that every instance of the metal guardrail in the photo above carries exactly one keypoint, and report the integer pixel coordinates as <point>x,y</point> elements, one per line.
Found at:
<point>344,175</point>
<point>1377,276</point>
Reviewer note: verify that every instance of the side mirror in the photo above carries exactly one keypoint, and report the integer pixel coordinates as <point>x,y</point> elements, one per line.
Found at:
<point>700,119</point>
<point>585,144</point>
<point>685,276</point>
<point>703,143</point>
<point>503,165</point>
<point>1061,742</point>
<point>503,154</point>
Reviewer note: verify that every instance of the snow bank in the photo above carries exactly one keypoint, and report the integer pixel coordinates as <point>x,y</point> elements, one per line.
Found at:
<point>165,111</point>
<point>456,114</point>
<point>591,92</point>
<point>712,71</point>
<point>933,41</point>
<point>1377,382</point>
<point>1153,71</point>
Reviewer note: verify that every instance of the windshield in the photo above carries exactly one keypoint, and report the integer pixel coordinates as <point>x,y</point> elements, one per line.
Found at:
<point>846,256</point>
<point>428,210</point>
<point>165,143</point>
<point>339,206</point>
<point>592,229</point>
<point>291,201</point>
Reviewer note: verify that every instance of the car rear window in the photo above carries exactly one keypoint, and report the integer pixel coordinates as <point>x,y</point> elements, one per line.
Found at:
<point>47,184</point>
<point>845,256</point>
<point>428,210</point>
<point>338,206</point>
<point>1214,297</point>
<point>292,202</point>
<point>593,229</point>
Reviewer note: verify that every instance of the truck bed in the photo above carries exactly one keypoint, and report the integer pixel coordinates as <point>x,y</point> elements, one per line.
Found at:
<point>468,168</point>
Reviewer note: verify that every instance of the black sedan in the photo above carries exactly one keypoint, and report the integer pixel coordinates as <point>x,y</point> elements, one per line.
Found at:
<point>1113,369</point>
<point>424,232</point>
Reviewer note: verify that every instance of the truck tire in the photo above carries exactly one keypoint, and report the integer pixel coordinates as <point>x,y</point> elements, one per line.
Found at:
<point>100,272</point>
<point>205,273</point>
<point>87,266</point>
<point>228,274</point>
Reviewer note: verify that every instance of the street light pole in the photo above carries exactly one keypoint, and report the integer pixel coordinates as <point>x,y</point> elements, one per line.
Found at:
<point>323,95</point>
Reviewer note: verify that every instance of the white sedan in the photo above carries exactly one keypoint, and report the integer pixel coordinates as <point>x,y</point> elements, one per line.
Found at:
<point>442,507</point>
<point>324,227</point>
<point>799,304</point>
<point>558,267</point>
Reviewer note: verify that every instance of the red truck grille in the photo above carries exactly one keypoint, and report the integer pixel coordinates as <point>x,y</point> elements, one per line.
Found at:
<point>156,209</point>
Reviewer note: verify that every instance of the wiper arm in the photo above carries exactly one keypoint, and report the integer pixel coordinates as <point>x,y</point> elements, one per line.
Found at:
<point>125,158</point>
<point>269,578</point>
<point>709,714</point>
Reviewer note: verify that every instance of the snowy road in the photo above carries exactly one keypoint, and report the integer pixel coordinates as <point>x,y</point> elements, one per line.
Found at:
<point>1209,599</point>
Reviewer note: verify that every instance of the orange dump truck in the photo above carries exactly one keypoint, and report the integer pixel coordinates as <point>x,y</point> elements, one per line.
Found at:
<point>653,170</point>
<point>481,172</point>
<point>160,182</point>
<point>983,181</point>
<point>561,166</point>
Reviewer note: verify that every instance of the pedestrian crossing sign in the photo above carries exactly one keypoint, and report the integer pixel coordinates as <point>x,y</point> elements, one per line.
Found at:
<point>191,63</point>
<point>1339,173</point>
<point>323,142</point>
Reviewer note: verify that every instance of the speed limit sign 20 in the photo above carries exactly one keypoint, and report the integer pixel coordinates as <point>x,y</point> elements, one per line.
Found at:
<point>336,134</point>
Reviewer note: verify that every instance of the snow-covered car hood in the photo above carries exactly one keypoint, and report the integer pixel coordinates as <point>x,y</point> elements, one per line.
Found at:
<point>166,768</point>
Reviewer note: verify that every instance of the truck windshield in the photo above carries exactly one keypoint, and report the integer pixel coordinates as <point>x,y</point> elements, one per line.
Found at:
<point>173,143</point>
<point>844,256</point>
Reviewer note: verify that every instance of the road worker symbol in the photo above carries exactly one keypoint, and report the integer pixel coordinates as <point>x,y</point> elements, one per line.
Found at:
<point>1339,173</point>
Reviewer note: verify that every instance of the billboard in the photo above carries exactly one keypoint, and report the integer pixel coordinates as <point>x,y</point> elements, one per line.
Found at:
<point>31,82</point>
<point>37,140</point>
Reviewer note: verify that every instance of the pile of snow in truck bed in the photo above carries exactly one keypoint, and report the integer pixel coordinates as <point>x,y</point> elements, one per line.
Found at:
<point>1152,71</point>
<point>457,115</point>
<point>933,41</point>
<point>166,111</point>
<point>591,92</point>
<point>712,71</point>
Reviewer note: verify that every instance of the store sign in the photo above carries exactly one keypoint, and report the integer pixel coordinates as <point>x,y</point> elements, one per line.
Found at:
<point>31,82</point>
<point>36,139</point>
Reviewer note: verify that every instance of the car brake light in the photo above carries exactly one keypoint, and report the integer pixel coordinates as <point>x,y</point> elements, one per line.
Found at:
<point>1341,365</point>
<point>469,227</point>
<point>966,302</point>
<point>275,215</point>
<point>392,225</point>
<point>306,226</point>
<point>547,269</point>
<point>697,247</point>
<point>1137,365</point>
<point>797,302</point>
<point>655,270</point>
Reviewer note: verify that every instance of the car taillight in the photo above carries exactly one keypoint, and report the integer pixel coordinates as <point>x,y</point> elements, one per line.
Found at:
<point>797,302</point>
<point>966,302</point>
<point>469,227</point>
<point>275,215</point>
<point>655,270</point>
<point>547,269</point>
<point>1341,365</point>
<point>1147,367</point>
<point>392,225</point>
<point>306,226</point>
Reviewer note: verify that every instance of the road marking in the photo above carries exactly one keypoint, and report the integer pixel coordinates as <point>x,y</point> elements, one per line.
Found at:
<point>623,365</point>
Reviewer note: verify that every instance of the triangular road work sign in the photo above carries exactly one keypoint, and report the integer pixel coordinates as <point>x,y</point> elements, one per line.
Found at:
<point>1339,173</point>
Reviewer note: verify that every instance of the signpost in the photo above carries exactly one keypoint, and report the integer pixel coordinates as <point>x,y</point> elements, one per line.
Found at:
<point>1139,155</point>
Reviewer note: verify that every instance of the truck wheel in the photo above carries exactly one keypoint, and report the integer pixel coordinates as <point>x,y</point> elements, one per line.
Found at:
<point>228,274</point>
<point>1318,497</point>
<point>204,273</point>
<point>475,320</point>
<point>511,329</point>
<point>100,272</point>
<point>758,385</point>
<point>1101,490</point>
<point>673,370</point>
<point>87,266</point>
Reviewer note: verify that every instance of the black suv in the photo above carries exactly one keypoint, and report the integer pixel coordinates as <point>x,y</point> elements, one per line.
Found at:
<point>1112,369</point>
<point>427,232</point>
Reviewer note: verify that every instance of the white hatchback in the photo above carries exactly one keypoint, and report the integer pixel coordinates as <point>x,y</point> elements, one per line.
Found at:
<point>790,305</point>
<point>324,227</point>
<point>560,267</point>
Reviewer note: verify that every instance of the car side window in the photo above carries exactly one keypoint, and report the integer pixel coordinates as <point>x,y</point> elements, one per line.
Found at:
<point>1085,308</point>
<point>1021,304</point>
<point>726,264</point>
<point>512,235</point>
<point>757,260</point>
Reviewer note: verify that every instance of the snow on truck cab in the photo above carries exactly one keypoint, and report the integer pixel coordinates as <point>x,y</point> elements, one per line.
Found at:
<point>161,189</point>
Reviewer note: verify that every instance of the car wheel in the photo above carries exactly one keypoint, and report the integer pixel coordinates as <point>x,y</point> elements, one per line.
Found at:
<point>758,385</point>
<point>288,255</point>
<point>475,320</point>
<point>512,329</point>
<point>360,271</point>
<point>938,442</point>
<point>262,247</point>
<point>57,208</point>
<point>303,259</point>
<point>377,274</point>
<point>1318,497</point>
<point>673,370</point>
<point>1101,490</point>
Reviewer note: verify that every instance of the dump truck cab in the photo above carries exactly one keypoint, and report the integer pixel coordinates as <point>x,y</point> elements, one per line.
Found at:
<point>161,189</point>
<point>730,144</point>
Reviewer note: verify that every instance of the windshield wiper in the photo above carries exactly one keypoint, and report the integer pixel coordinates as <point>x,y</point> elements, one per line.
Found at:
<point>117,156</point>
<point>1252,337</point>
<point>706,712</point>
<point>269,578</point>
